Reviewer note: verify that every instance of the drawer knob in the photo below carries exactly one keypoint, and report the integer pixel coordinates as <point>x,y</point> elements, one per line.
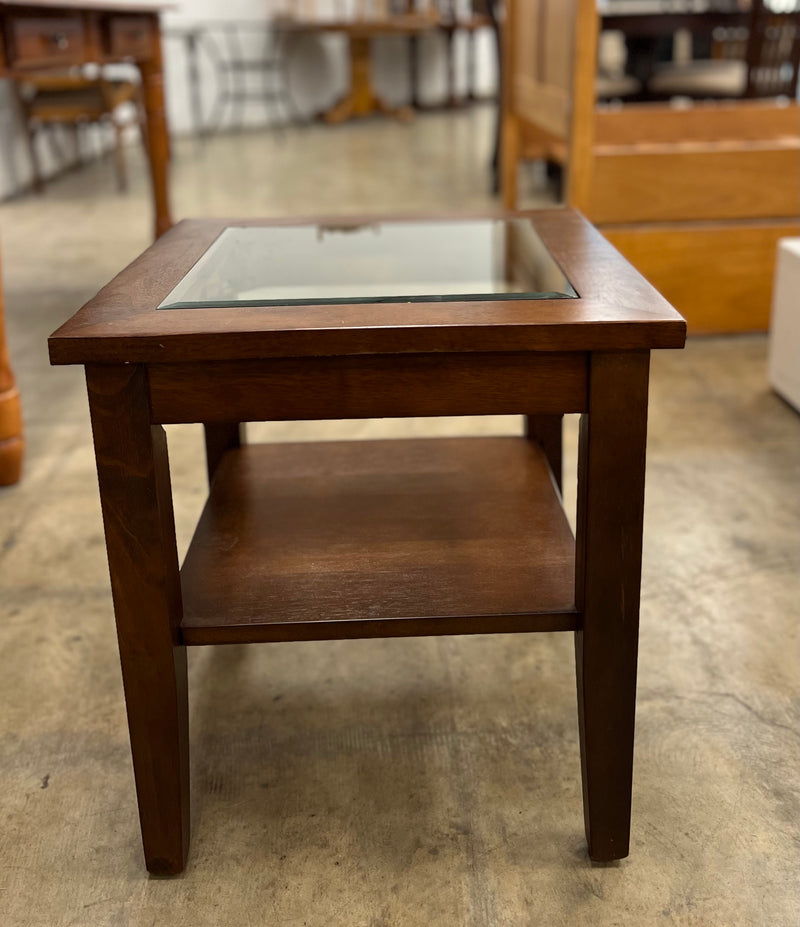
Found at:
<point>60,40</point>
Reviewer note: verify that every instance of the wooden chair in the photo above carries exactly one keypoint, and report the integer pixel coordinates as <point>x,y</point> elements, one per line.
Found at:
<point>696,197</point>
<point>250,68</point>
<point>762,63</point>
<point>73,99</point>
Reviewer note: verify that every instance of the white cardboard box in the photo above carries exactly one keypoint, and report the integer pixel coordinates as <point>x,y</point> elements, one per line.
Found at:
<point>784,326</point>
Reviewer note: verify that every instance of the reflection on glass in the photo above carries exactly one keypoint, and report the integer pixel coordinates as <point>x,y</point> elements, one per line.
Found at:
<point>387,262</point>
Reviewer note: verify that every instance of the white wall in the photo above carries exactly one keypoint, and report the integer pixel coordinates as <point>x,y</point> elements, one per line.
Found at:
<point>316,69</point>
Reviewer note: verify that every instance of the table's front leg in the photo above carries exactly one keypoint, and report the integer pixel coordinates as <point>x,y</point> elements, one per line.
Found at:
<point>11,441</point>
<point>611,465</point>
<point>157,137</point>
<point>135,493</point>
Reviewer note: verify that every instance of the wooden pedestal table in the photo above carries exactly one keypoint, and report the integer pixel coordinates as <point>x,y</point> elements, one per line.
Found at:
<point>361,98</point>
<point>373,539</point>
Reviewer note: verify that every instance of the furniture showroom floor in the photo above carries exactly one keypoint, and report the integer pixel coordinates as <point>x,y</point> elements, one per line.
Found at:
<point>392,782</point>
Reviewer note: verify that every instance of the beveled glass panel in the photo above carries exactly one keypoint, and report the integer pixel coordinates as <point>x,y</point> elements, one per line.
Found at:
<point>431,261</point>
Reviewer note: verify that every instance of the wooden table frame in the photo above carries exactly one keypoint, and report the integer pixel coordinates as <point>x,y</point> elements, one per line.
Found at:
<point>40,35</point>
<point>146,368</point>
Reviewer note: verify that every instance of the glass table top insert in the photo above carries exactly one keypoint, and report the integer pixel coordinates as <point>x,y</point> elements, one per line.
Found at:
<point>430,261</point>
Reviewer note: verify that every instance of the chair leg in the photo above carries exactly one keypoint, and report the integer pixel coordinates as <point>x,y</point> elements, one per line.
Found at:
<point>36,170</point>
<point>119,157</point>
<point>509,158</point>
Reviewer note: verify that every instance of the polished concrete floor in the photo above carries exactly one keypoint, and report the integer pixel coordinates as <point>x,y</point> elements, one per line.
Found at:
<point>403,782</point>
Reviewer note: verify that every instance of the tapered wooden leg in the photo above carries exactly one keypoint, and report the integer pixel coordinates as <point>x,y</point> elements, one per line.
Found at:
<point>547,431</point>
<point>12,444</point>
<point>611,463</point>
<point>133,472</point>
<point>221,437</point>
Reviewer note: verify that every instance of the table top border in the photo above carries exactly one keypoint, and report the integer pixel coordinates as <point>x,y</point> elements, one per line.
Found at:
<point>617,309</point>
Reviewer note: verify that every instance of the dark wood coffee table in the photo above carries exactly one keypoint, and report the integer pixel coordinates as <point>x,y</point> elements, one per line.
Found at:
<point>385,538</point>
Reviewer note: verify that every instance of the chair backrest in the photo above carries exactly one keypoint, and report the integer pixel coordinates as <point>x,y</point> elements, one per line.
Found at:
<point>541,38</point>
<point>773,48</point>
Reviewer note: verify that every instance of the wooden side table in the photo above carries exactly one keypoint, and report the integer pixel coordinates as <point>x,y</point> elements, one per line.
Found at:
<point>536,315</point>
<point>59,34</point>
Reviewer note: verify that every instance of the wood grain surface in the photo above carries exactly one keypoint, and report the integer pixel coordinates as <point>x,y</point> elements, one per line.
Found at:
<point>608,560</point>
<point>379,539</point>
<point>709,270</point>
<point>136,498</point>
<point>286,389</point>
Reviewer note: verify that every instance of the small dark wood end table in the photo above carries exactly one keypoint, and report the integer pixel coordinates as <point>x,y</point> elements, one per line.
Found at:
<point>531,313</point>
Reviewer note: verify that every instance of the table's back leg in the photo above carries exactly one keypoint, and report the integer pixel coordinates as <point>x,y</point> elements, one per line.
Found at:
<point>547,431</point>
<point>611,464</point>
<point>135,493</point>
<point>221,437</point>
<point>11,441</point>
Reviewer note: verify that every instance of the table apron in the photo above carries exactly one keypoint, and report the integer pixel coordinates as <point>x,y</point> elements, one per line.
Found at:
<point>370,386</point>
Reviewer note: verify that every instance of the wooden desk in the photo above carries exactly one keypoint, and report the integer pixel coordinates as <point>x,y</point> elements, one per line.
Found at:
<point>344,540</point>
<point>39,35</point>
<point>361,99</point>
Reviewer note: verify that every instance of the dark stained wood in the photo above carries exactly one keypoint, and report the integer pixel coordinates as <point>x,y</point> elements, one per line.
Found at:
<point>368,387</point>
<point>221,437</point>
<point>617,310</point>
<point>611,468</point>
<point>374,539</point>
<point>136,498</point>
<point>379,539</point>
<point>547,431</point>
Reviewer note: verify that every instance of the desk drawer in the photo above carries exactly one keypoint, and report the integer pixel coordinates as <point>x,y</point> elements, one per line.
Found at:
<point>132,37</point>
<point>47,40</point>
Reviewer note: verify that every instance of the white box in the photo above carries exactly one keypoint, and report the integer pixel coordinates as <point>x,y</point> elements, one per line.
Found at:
<point>784,326</point>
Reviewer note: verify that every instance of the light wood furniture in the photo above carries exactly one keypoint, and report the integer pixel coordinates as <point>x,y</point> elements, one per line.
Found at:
<point>399,538</point>
<point>37,35</point>
<point>73,99</point>
<point>696,198</point>
<point>361,98</point>
<point>12,444</point>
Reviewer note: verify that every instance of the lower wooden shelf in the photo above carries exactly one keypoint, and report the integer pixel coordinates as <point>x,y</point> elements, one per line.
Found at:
<point>379,539</point>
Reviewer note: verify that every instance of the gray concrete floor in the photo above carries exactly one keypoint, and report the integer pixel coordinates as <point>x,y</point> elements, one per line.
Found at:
<point>409,782</point>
